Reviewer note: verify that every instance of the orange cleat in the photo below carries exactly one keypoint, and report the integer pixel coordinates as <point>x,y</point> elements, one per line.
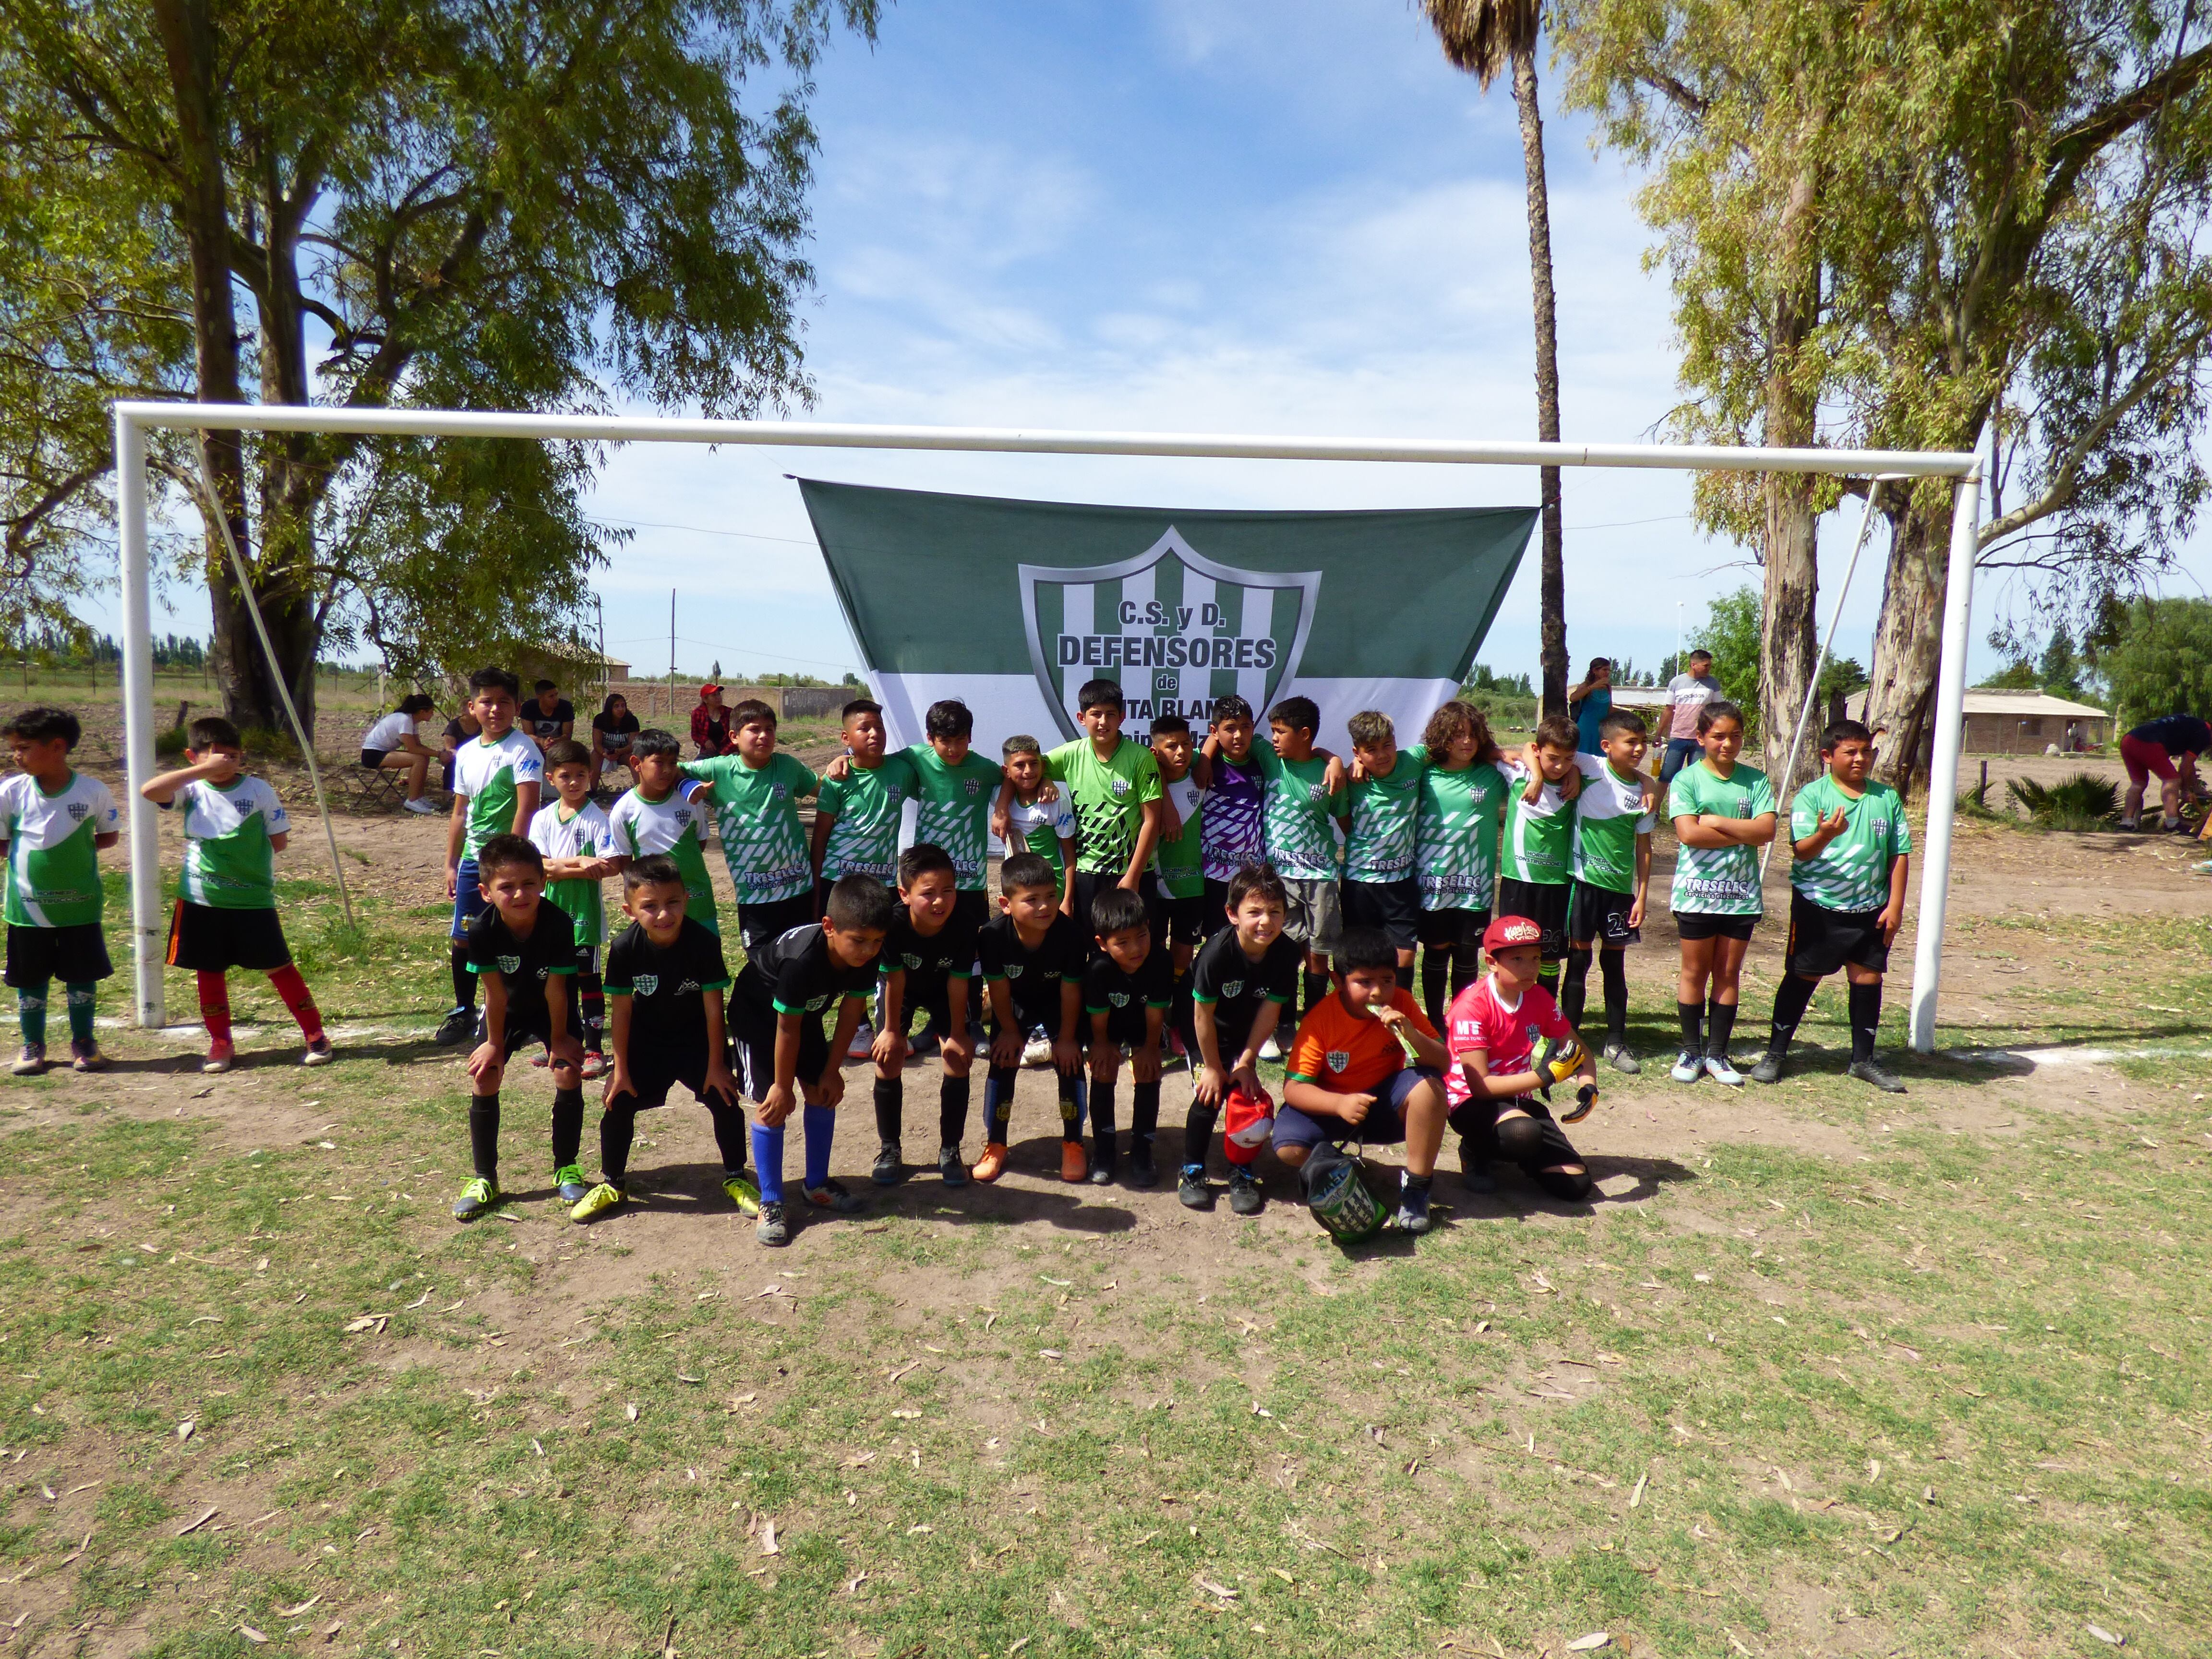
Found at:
<point>1074,1165</point>
<point>988,1166</point>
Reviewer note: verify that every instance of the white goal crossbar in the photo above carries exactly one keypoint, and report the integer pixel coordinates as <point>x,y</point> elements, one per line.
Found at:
<point>134,420</point>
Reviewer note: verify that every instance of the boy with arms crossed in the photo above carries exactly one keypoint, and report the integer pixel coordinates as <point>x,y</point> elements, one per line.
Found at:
<point>1504,1028</point>
<point>659,816</point>
<point>786,984</point>
<point>1348,1078</point>
<point>1614,817</point>
<point>498,775</point>
<point>525,951</point>
<point>754,794</point>
<point>1850,851</point>
<point>1178,867</point>
<point>1723,813</point>
<point>580,851</point>
<point>1240,983</point>
<point>1033,956</point>
<point>1127,991</point>
<point>928,963</point>
<point>226,913</point>
<point>55,821</point>
<point>665,976</point>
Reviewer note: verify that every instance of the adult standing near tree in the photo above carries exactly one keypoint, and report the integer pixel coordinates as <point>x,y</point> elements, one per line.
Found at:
<point>393,745</point>
<point>2166,749</point>
<point>710,723</point>
<point>1686,694</point>
<point>1591,703</point>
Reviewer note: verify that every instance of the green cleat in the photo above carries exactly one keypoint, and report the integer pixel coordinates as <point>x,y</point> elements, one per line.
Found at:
<point>742,1191</point>
<point>597,1201</point>
<point>478,1197</point>
<point>573,1186</point>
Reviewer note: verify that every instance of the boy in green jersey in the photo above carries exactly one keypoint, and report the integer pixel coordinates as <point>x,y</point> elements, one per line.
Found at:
<point>1614,818</point>
<point>581,850</point>
<point>1302,793</point>
<point>1384,809</point>
<point>54,820</point>
<point>498,776</point>
<point>1723,813</point>
<point>659,816</point>
<point>857,816</point>
<point>226,913</point>
<point>1463,796</point>
<point>1535,854</point>
<point>754,794</point>
<point>1849,853</point>
<point>1179,867</point>
<point>956,786</point>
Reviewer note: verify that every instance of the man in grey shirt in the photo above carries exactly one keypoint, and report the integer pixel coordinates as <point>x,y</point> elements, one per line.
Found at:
<point>1686,694</point>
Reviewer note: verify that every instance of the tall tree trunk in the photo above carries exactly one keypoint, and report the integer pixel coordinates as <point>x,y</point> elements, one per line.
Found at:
<point>291,481</point>
<point>1788,646</point>
<point>1552,591</point>
<point>1908,640</point>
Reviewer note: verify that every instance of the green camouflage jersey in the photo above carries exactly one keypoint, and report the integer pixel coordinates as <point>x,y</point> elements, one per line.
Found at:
<point>672,825</point>
<point>1609,816</point>
<point>53,868</point>
<point>1537,846</point>
<point>1456,840</point>
<point>1180,863</point>
<point>956,810</point>
<point>489,775</point>
<point>866,805</point>
<point>1384,812</point>
<point>230,858</point>
<point>1109,797</point>
<point>757,815</point>
<point>1294,815</point>
<point>1718,880</point>
<point>1852,873</point>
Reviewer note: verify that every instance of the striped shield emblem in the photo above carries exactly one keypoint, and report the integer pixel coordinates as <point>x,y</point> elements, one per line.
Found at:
<point>1173,629</point>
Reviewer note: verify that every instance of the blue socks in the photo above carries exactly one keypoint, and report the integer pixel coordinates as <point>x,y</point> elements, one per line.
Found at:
<point>821,1124</point>
<point>767,1161</point>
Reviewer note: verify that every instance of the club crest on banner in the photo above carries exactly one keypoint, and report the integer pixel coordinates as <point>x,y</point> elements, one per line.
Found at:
<point>1172,628</point>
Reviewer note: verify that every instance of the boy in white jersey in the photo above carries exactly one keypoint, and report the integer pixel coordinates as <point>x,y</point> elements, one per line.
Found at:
<point>662,815</point>
<point>1038,817</point>
<point>54,820</point>
<point>498,775</point>
<point>1615,816</point>
<point>226,913</point>
<point>581,851</point>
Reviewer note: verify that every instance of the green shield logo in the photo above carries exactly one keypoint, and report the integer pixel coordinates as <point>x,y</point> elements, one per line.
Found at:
<point>1172,628</point>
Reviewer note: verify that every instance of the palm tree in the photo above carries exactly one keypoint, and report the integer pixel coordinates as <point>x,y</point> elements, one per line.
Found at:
<point>1483,37</point>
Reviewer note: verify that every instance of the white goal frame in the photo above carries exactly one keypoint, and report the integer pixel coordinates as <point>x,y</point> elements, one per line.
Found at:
<point>134,420</point>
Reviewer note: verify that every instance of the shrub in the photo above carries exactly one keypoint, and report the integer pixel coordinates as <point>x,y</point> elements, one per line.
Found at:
<point>2082,802</point>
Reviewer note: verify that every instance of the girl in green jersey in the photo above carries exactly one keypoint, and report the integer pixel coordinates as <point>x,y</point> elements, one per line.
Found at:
<point>1723,813</point>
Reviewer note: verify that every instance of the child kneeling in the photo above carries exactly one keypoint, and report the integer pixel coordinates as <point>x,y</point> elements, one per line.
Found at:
<point>665,981</point>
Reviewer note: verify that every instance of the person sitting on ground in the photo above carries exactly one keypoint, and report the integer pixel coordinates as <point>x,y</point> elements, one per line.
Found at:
<point>613,728</point>
<point>710,723</point>
<point>1496,1025</point>
<point>2166,749</point>
<point>548,718</point>
<point>392,746</point>
<point>1348,1076</point>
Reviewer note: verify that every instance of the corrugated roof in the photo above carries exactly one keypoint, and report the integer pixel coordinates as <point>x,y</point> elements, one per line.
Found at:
<point>2020,704</point>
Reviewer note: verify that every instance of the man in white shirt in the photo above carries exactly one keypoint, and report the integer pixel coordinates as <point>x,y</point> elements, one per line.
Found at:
<point>1686,694</point>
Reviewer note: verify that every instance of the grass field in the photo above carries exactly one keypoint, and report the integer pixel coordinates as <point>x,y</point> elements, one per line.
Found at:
<point>1823,1373</point>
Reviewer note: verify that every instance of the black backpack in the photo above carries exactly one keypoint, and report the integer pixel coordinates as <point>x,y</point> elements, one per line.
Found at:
<point>1343,1193</point>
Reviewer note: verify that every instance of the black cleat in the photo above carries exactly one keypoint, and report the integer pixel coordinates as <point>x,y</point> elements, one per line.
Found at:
<point>1193,1190</point>
<point>1141,1172</point>
<point>1245,1197</point>
<point>456,1026</point>
<point>1769,1069</point>
<point>1872,1072</point>
<point>890,1167</point>
<point>950,1169</point>
<point>1103,1164</point>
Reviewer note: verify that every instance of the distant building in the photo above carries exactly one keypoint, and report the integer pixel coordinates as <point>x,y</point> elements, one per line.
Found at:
<point>2025,723</point>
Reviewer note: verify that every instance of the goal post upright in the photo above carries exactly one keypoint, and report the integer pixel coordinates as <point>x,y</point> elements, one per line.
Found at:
<point>134,419</point>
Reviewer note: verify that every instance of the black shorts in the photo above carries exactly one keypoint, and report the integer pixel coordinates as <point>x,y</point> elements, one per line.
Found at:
<point>1599,916</point>
<point>1822,941</point>
<point>532,1022</point>
<point>209,940</point>
<point>653,1074</point>
<point>1477,1121</point>
<point>758,922</point>
<point>1545,903</point>
<point>374,758</point>
<point>1184,921</point>
<point>1216,901</point>
<point>1457,931</point>
<point>972,906</point>
<point>752,1028</point>
<point>1124,1024</point>
<point>936,1006</point>
<point>1393,906</point>
<point>75,956</point>
<point>1695,924</point>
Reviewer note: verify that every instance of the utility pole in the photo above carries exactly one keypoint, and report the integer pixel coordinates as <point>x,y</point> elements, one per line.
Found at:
<point>672,658</point>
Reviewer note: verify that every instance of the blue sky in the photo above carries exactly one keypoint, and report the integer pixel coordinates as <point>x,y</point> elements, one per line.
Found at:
<point>1189,215</point>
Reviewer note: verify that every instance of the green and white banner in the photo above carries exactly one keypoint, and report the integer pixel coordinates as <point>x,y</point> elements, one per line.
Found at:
<point>1013,605</point>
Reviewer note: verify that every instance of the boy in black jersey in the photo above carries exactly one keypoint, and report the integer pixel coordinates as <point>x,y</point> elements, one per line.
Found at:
<point>524,952</point>
<point>1033,958</point>
<point>1127,991</point>
<point>777,1006</point>
<point>929,956</point>
<point>665,977</point>
<point>1240,982</point>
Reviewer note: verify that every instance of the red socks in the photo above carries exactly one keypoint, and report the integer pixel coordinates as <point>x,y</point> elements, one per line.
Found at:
<point>299,999</point>
<point>215,1006</point>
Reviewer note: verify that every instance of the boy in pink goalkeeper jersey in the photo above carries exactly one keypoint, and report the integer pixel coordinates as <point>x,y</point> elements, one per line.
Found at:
<point>1494,1028</point>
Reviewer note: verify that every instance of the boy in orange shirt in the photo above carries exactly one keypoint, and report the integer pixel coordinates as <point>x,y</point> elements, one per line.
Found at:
<point>1349,1078</point>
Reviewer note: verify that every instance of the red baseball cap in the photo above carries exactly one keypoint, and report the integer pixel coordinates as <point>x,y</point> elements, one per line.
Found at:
<point>707,690</point>
<point>1506,932</point>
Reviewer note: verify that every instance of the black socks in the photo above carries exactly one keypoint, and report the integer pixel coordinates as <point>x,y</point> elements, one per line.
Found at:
<point>1791,998</point>
<point>1866,1019</point>
<point>951,1110</point>
<point>1143,1110</point>
<point>1613,964</point>
<point>1198,1133</point>
<point>1574,988</point>
<point>567,1125</point>
<point>730,1134</point>
<point>465,982</point>
<point>1693,1015</point>
<point>1720,1026</point>
<point>1316,989</point>
<point>890,1108</point>
<point>1102,1119</point>
<point>1435,973</point>
<point>484,1135</point>
<point>617,1127</point>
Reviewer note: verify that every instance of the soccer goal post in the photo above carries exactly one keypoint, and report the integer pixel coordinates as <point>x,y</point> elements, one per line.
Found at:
<point>134,420</point>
